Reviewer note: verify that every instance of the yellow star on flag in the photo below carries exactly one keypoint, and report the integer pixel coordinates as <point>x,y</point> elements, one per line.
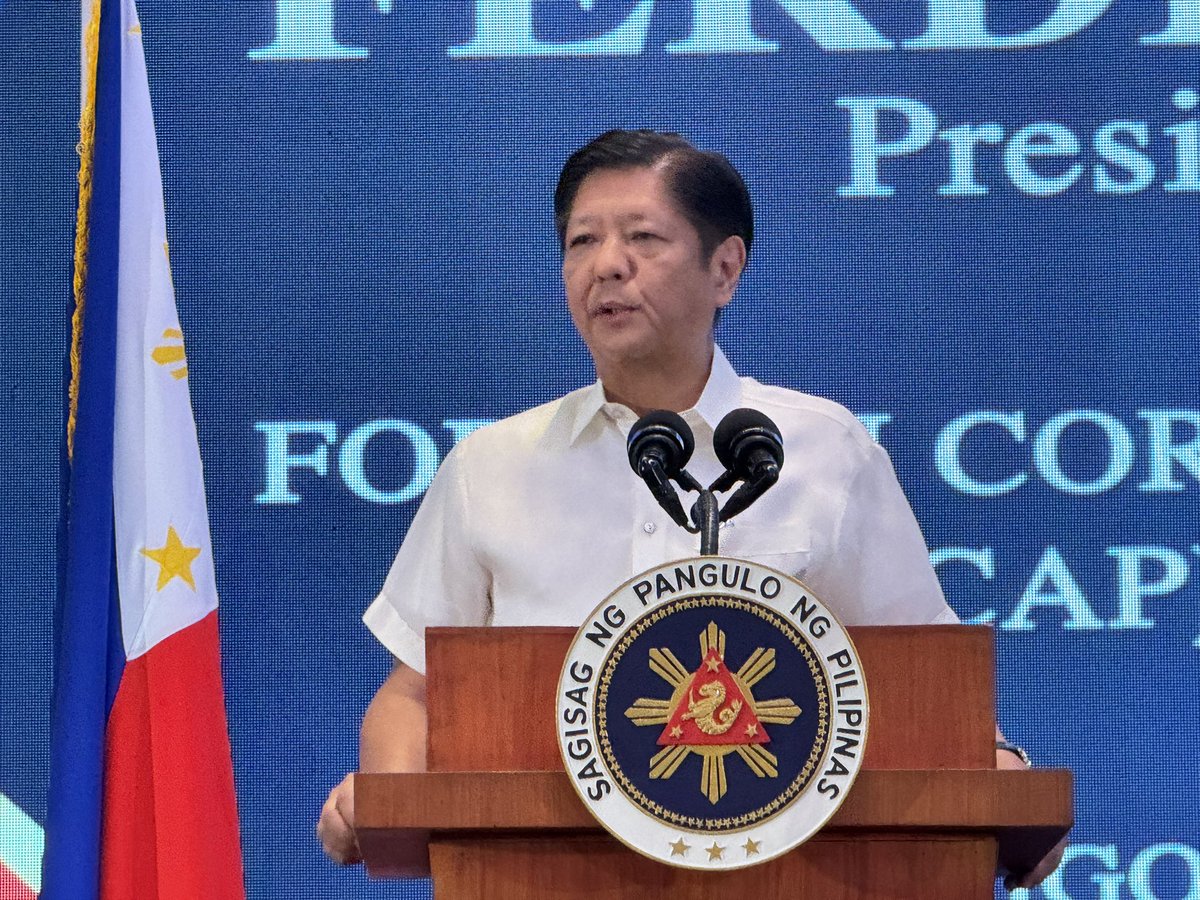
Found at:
<point>174,559</point>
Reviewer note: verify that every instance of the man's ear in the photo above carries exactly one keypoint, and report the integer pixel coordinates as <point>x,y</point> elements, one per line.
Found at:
<point>728,261</point>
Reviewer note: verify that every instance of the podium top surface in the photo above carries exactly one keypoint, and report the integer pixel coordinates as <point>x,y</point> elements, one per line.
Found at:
<point>1027,811</point>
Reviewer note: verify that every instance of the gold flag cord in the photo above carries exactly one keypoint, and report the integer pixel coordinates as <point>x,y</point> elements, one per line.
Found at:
<point>86,148</point>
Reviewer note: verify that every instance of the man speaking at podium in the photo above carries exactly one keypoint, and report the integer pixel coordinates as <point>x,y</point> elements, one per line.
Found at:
<point>535,519</point>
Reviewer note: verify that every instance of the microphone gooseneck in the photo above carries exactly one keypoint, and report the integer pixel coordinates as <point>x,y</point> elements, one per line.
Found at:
<point>746,442</point>
<point>750,447</point>
<point>660,445</point>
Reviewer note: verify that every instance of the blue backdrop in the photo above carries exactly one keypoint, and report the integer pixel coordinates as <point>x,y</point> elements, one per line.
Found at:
<point>977,229</point>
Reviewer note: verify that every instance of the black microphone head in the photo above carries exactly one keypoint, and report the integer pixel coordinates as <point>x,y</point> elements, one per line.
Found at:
<point>740,433</point>
<point>665,434</point>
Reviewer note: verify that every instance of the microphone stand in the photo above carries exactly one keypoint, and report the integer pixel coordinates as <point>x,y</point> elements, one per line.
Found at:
<point>706,517</point>
<point>746,442</point>
<point>706,512</point>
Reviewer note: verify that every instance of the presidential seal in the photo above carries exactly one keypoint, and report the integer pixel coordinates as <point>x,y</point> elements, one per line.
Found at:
<point>712,713</point>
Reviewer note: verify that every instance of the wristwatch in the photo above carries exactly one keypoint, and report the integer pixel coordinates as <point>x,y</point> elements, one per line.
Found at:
<point>1018,751</point>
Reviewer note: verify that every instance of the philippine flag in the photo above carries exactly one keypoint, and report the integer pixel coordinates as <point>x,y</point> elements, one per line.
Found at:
<point>141,801</point>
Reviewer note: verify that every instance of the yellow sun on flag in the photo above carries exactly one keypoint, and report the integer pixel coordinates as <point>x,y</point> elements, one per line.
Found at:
<point>171,353</point>
<point>174,559</point>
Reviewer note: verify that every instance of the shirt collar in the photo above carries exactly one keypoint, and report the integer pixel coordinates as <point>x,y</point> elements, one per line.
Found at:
<point>722,393</point>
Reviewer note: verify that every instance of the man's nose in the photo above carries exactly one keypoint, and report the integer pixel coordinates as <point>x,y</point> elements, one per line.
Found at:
<point>613,261</point>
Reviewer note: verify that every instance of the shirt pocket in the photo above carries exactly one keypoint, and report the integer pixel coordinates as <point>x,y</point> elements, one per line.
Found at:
<point>787,548</point>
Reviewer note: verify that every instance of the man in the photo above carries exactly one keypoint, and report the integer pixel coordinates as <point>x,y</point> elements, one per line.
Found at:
<point>534,520</point>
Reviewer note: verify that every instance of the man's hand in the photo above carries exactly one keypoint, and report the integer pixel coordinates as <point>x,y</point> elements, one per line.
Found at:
<point>392,739</point>
<point>335,828</point>
<point>1040,871</point>
<point>1007,760</point>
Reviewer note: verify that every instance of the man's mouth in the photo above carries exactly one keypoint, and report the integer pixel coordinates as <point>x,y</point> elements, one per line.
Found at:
<point>611,309</point>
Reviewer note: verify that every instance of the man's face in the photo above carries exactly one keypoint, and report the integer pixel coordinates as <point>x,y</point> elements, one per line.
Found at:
<point>637,285</point>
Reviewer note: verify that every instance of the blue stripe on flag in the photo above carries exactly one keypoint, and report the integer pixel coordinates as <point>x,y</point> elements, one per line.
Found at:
<point>89,654</point>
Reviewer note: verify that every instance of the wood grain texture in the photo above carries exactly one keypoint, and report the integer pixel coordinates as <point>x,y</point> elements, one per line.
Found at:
<point>928,816</point>
<point>599,868</point>
<point>491,697</point>
<point>1026,811</point>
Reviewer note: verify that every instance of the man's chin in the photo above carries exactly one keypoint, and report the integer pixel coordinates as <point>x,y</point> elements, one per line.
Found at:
<point>622,349</point>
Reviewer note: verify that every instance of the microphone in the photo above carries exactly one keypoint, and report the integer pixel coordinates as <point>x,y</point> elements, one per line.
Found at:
<point>750,447</point>
<point>660,445</point>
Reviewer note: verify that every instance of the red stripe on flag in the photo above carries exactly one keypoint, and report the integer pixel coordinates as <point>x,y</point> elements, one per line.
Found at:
<point>170,815</point>
<point>12,887</point>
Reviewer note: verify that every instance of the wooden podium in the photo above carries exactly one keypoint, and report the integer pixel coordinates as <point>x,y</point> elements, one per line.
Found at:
<point>928,818</point>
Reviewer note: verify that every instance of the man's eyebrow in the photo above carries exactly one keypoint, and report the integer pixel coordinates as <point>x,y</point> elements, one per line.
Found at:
<point>624,217</point>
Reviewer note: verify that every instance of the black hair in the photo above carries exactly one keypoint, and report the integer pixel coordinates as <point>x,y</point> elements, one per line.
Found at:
<point>708,190</point>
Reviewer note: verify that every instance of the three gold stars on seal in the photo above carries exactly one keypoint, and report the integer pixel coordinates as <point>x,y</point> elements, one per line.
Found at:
<point>716,851</point>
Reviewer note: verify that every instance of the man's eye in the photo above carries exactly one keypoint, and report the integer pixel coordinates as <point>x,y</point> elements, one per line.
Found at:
<point>579,240</point>
<point>643,236</point>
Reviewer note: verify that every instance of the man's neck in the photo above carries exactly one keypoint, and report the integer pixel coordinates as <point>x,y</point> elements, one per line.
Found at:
<point>643,388</point>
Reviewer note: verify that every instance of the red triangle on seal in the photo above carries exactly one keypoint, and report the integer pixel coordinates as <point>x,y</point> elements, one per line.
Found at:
<point>713,711</point>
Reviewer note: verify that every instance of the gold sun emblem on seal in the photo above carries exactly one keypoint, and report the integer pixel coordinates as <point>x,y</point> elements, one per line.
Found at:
<point>712,712</point>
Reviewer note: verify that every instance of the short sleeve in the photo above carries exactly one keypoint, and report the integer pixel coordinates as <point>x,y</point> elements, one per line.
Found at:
<point>881,556</point>
<point>436,578</point>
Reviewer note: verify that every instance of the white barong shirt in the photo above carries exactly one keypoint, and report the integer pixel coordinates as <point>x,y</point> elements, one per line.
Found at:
<point>535,519</point>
